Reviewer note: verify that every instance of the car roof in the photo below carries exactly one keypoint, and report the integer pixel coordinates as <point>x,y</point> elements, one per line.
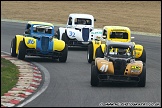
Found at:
<point>116,43</point>
<point>116,27</point>
<point>42,23</point>
<point>79,15</point>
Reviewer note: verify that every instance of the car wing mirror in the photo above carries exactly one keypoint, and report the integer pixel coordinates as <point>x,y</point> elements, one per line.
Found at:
<point>94,19</point>
<point>104,36</point>
<point>56,34</point>
<point>132,37</point>
<point>27,32</point>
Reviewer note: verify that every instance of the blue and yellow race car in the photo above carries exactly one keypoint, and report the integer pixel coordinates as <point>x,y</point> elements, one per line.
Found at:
<point>38,40</point>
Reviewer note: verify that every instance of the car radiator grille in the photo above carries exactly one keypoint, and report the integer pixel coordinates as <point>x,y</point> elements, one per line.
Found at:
<point>119,67</point>
<point>44,43</point>
<point>85,34</point>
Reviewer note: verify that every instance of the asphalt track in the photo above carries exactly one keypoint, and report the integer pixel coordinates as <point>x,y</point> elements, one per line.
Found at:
<point>69,84</point>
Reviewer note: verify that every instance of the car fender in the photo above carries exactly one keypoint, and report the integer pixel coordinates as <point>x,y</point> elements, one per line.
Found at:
<point>136,65</point>
<point>61,30</point>
<point>58,45</point>
<point>104,66</point>
<point>95,32</point>
<point>103,47</point>
<point>18,39</point>
<point>72,33</point>
<point>30,42</point>
<point>138,50</point>
<point>95,44</point>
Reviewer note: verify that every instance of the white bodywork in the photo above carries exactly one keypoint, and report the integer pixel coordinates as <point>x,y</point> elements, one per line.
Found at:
<point>75,31</point>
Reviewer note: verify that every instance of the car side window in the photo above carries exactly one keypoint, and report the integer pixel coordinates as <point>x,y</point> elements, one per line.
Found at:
<point>70,21</point>
<point>105,33</point>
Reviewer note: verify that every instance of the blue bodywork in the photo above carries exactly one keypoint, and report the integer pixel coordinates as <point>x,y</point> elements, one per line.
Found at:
<point>44,42</point>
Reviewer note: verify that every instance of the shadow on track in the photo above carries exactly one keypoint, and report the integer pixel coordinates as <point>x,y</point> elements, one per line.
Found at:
<point>41,59</point>
<point>118,84</point>
<point>77,48</point>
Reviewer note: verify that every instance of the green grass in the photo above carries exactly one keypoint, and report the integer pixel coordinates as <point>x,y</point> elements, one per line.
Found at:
<point>9,75</point>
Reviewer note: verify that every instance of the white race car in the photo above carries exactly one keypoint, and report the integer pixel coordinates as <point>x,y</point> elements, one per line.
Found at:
<point>79,30</point>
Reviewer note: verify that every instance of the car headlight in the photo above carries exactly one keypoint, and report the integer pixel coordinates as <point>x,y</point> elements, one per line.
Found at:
<point>50,38</point>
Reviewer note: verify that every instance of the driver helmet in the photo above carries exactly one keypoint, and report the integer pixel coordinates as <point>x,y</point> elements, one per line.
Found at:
<point>40,29</point>
<point>122,51</point>
<point>119,34</point>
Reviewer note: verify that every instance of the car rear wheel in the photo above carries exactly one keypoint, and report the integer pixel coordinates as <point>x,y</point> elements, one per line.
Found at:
<point>90,53</point>
<point>142,77</point>
<point>58,34</point>
<point>22,51</point>
<point>65,38</point>
<point>92,64</point>
<point>64,54</point>
<point>94,76</point>
<point>99,52</point>
<point>13,48</point>
<point>143,56</point>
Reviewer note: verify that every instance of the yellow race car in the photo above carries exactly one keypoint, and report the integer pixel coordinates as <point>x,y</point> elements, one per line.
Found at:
<point>38,40</point>
<point>113,33</point>
<point>118,65</point>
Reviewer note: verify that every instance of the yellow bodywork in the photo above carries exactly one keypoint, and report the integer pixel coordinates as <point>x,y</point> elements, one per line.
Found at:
<point>138,50</point>
<point>96,44</point>
<point>58,45</point>
<point>107,67</point>
<point>117,29</point>
<point>18,39</point>
<point>38,22</point>
<point>33,45</point>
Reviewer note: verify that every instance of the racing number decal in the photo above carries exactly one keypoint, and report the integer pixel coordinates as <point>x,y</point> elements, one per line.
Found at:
<point>72,34</point>
<point>104,68</point>
<point>135,67</point>
<point>30,41</point>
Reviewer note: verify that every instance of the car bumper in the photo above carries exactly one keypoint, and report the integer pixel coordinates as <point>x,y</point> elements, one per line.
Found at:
<point>118,78</point>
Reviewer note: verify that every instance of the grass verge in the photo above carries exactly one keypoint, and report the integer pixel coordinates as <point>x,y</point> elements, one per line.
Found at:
<point>9,75</point>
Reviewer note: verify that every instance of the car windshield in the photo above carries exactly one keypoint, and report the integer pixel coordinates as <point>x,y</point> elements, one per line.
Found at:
<point>119,35</point>
<point>119,52</point>
<point>42,29</point>
<point>83,21</point>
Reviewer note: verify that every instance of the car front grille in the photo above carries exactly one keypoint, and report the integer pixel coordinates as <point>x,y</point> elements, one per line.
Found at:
<point>45,43</point>
<point>85,34</point>
<point>119,67</point>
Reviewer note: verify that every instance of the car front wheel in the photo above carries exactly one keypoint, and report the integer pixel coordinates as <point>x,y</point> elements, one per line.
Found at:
<point>22,51</point>
<point>64,54</point>
<point>90,53</point>
<point>13,48</point>
<point>94,76</point>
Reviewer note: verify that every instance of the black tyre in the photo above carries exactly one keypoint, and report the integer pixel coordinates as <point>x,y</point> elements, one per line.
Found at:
<point>65,38</point>
<point>22,50</point>
<point>64,54</point>
<point>142,77</point>
<point>58,34</point>
<point>94,76</point>
<point>90,53</point>
<point>92,64</point>
<point>99,52</point>
<point>143,56</point>
<point>13,48</point>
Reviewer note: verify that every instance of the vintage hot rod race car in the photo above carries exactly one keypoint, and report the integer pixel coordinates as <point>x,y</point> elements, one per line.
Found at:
<point>118,65</point>
<point>114,33</point>
<point>79,30</point>
<point>38,40</point>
